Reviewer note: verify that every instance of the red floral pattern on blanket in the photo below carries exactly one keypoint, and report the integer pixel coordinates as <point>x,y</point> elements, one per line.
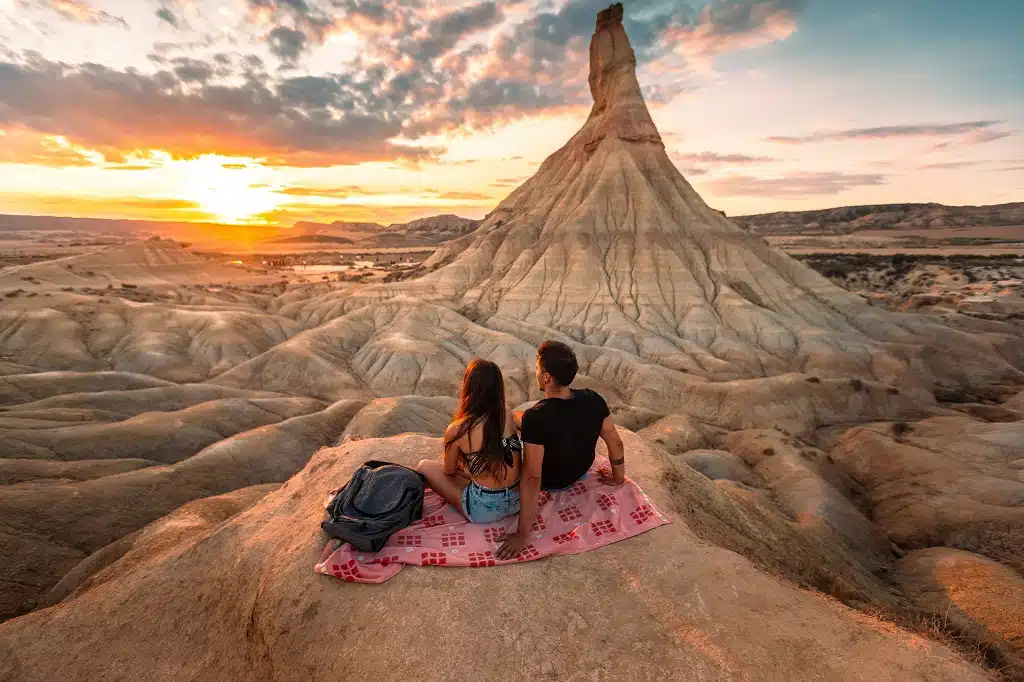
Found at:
<point>586,516</point>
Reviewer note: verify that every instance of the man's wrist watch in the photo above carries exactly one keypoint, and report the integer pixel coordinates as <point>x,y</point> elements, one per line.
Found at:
<point>617,462</point>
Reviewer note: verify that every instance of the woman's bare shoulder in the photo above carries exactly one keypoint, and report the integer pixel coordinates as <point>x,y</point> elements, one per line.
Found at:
<point>454,429</point>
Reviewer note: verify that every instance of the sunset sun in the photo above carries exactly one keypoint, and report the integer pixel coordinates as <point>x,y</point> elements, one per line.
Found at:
<point>229,192</point>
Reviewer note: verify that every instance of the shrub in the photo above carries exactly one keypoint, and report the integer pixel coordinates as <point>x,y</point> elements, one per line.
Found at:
<point>900,429</point>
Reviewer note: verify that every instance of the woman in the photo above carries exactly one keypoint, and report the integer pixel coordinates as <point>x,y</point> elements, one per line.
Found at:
<point>482,459</point>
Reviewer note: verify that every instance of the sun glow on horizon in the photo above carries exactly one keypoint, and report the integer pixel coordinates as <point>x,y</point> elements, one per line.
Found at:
<point>229,189</point>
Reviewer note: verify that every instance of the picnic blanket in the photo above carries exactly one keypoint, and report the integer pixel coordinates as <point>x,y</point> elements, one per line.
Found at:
<point>588,515</point>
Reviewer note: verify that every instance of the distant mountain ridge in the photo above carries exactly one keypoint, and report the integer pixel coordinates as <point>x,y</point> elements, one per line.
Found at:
<point>847,219</point>
<point>435,230</point>
<point>428,231</point>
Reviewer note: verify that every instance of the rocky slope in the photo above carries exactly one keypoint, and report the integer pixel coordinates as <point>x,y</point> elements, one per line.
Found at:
<point>240,600</point>
<point>429,231</point>
<point>153,262</point>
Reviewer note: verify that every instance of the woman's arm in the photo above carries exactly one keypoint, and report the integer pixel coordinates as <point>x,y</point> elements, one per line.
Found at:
<point>450,456</point>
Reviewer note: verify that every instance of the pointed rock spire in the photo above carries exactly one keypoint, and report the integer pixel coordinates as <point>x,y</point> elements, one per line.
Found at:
<point>619,107</point>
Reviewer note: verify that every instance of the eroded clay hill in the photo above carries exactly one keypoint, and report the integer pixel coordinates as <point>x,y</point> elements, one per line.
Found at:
<point>610,248</point>
<point>151,262</point>
<point>852,461</point>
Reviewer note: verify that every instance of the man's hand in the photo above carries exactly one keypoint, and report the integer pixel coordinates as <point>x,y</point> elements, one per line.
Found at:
<point>512,547</point>
<point>605,475</point>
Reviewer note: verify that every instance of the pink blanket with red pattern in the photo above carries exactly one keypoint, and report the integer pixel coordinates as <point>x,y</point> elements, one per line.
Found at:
<point>586,516</point>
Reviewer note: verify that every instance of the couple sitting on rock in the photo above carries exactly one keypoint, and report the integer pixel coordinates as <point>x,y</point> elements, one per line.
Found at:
<point>488,471</point>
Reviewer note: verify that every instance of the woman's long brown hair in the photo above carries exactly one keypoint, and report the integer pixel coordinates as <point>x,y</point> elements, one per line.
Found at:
<point>482,400</point>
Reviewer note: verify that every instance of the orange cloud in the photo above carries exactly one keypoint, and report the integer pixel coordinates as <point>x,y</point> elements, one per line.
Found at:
<point>118,113</point>
<point>28,147</point>
<point>145,208</point>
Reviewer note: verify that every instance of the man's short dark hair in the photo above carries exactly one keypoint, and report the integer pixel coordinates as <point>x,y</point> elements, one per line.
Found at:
<point>558,360</point>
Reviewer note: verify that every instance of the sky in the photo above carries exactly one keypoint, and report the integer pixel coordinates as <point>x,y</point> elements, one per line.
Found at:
<point>276,111</point>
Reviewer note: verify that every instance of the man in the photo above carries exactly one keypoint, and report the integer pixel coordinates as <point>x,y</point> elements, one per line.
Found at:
<point>560,438</point>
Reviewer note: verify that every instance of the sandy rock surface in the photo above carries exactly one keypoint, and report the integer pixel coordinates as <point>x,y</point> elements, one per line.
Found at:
<point>977,597</point>
<point>241,601</point>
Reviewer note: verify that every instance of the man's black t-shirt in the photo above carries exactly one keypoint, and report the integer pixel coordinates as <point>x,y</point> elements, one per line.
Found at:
<point>568,429</point>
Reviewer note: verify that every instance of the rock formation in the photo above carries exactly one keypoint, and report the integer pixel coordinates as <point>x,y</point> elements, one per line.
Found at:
<point>151,262</point>
<point>610,248</point>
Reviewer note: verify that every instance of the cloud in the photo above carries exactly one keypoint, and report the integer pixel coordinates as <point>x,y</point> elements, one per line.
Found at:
<point>325,192</point>
<point>714,158</point>
<point>465,196</point>
<point>442,34</point>
<point>982,136</point>
<point>421,69</point>
<point>794,185</point>
<point>1005,169</point>
<point>701,163</point>
<point>159,204</point>
<point>166,15</point>
<point>28,147</point>
<point>951,165</point>
<point>888,132</point>
<point>350,191</point>
<point>508,182</point>
<point>536,65</point>
<point>77,11</point>
<point>192,70</point>
<point>287,43</point>
<point>655,93</point>
<point>722,27</point>
<point>65,203</point>
<point>975,137</point>
<point>297,25</point>
<point>116,112</point>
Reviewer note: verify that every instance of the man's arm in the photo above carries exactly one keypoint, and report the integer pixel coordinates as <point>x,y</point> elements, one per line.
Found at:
<point>529,490</point>
<point>616,454</point>
<point>517,417</point>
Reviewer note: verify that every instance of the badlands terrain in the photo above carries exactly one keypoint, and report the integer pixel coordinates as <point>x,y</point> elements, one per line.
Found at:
<point>842,458</point>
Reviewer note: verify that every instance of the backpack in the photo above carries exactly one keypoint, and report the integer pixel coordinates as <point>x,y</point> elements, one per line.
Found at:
<point>380,499</point>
